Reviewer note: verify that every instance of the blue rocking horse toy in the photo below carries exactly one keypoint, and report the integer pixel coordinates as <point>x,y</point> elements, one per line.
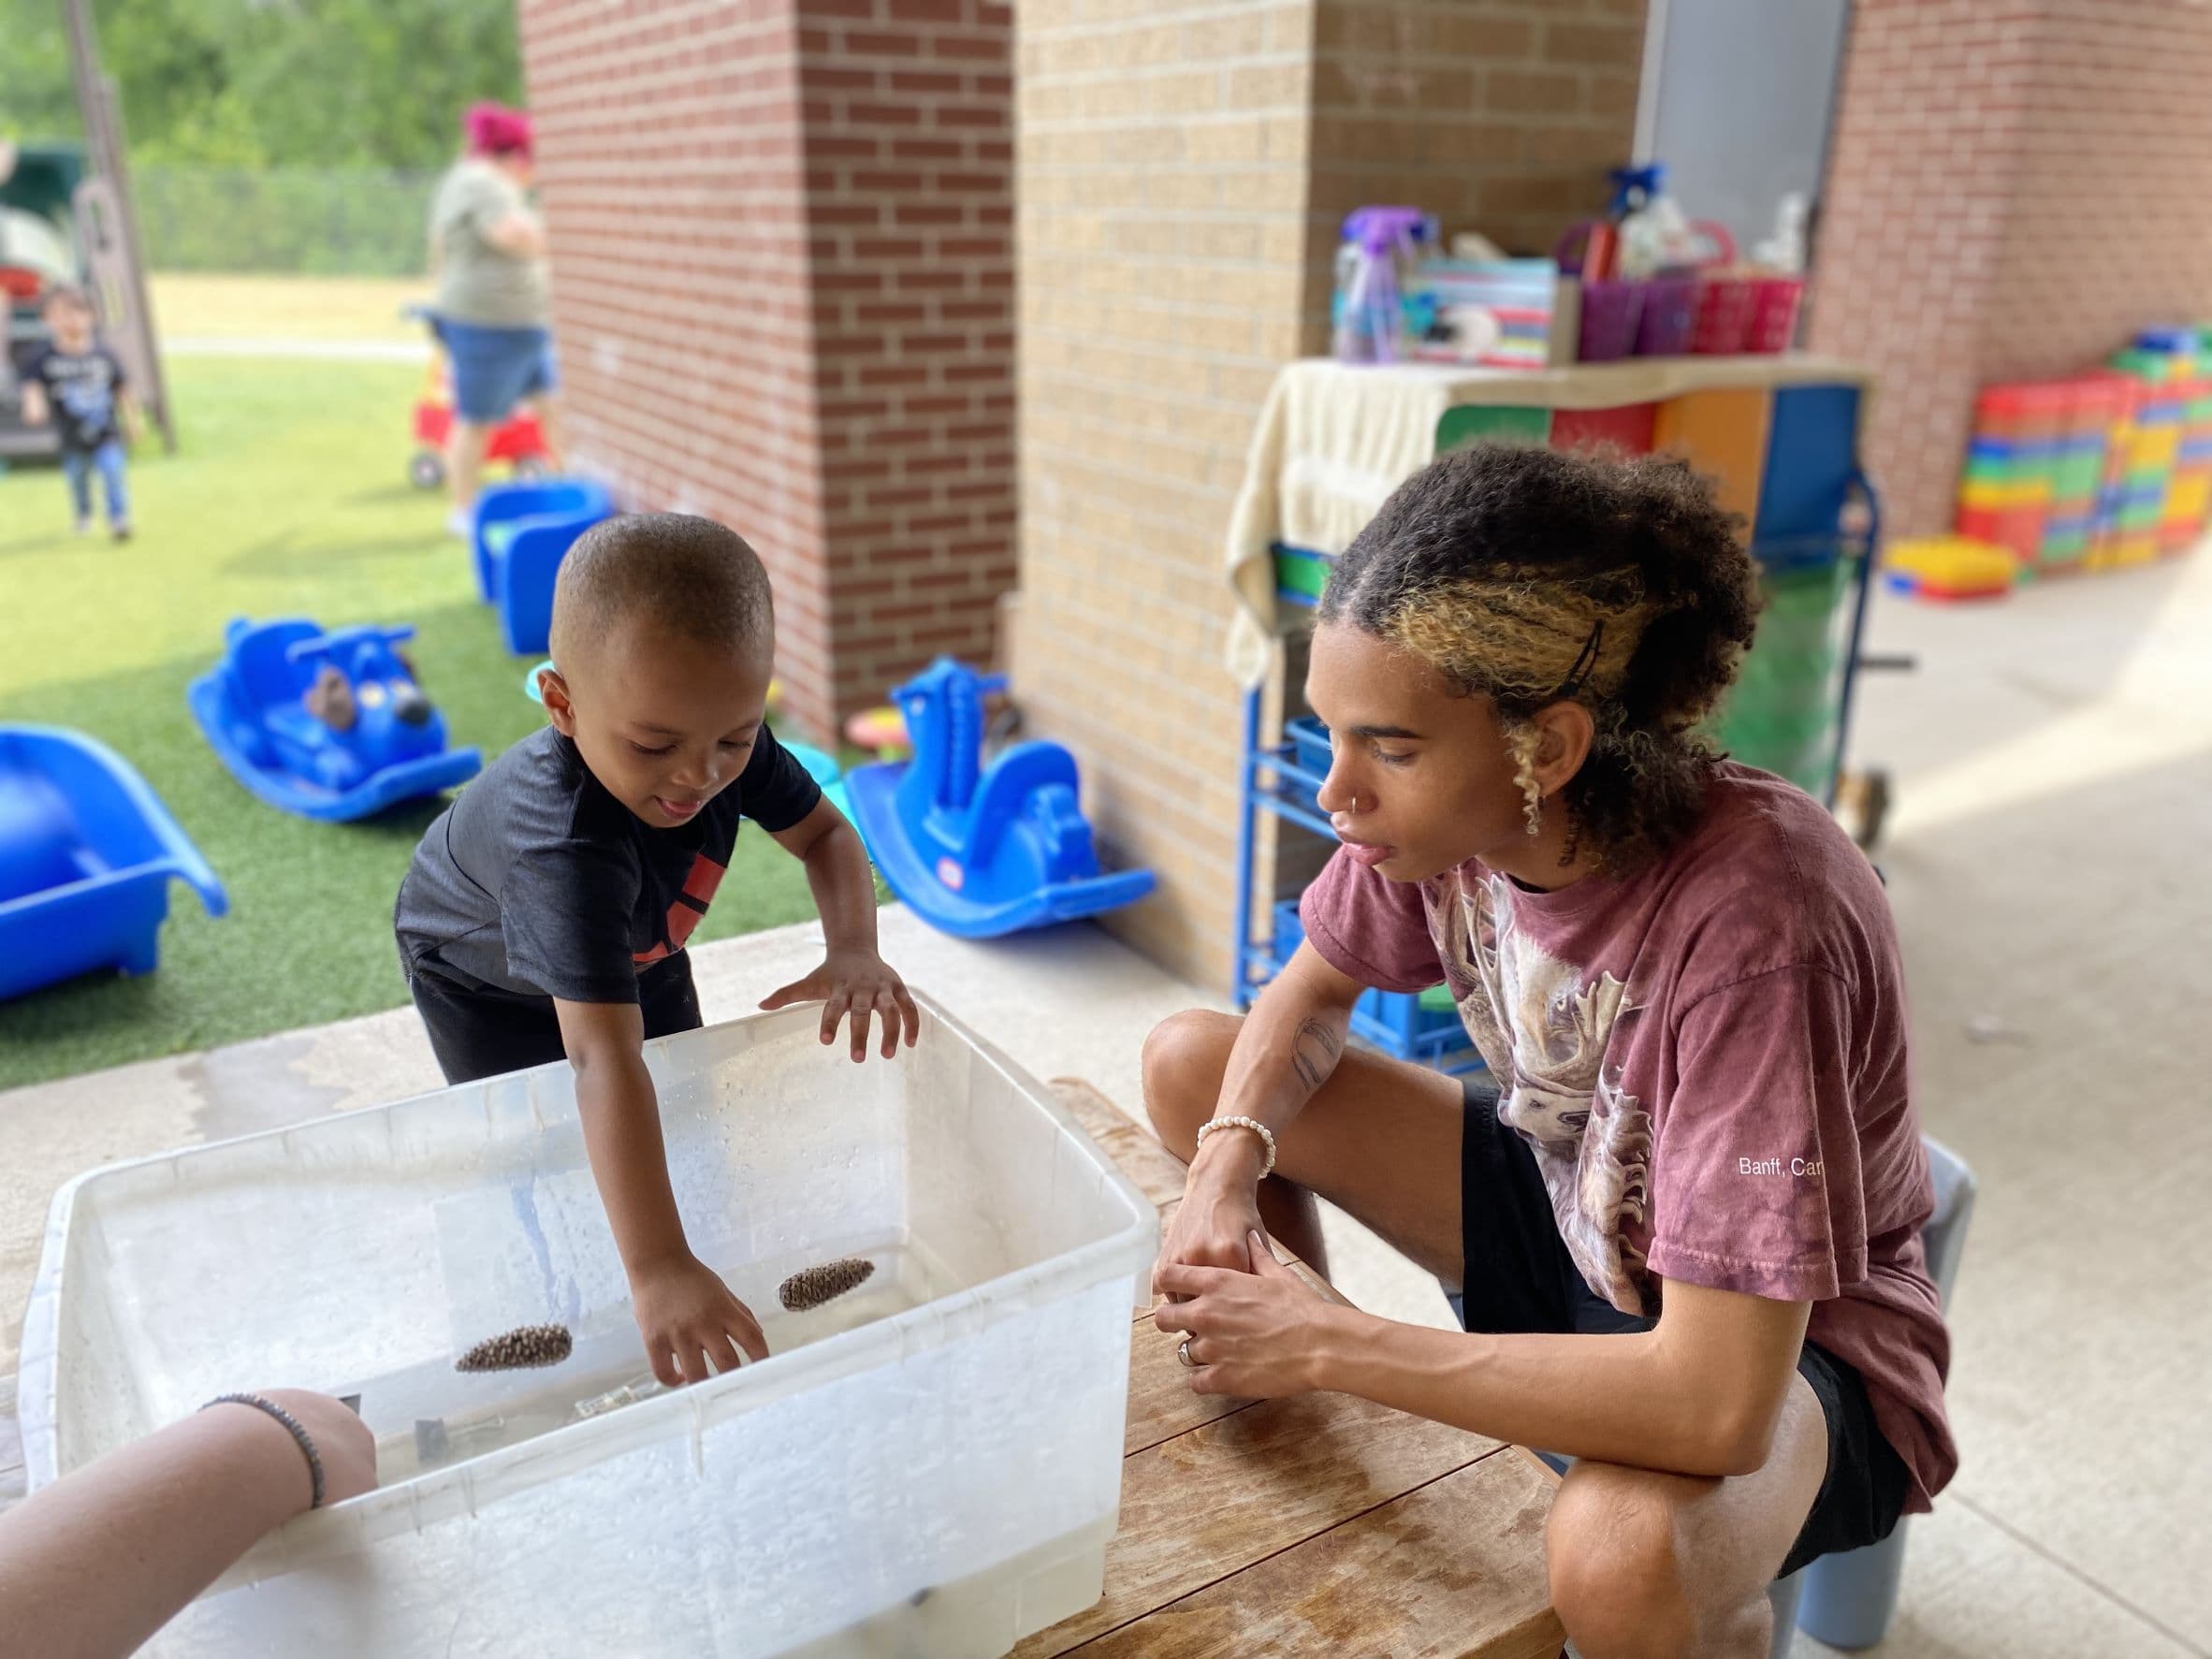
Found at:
<point>976,851</point>
<point>331,726</point>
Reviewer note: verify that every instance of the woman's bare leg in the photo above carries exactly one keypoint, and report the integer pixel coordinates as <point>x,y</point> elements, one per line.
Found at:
<point>465,446</point>
<point>1380,1140</point>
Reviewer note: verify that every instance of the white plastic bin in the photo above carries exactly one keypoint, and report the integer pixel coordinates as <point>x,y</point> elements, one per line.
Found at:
<point>929,1465</point>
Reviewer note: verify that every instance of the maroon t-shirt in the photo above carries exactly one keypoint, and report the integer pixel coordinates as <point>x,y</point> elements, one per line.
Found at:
<point>1708,1058</point>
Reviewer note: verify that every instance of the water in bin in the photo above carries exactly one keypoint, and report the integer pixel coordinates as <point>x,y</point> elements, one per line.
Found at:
<point>877,1475</point>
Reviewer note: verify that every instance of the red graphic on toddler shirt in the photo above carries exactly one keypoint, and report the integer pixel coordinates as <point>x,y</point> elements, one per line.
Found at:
<point>690,904</point>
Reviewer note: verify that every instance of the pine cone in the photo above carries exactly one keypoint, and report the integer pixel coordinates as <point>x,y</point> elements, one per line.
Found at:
<point>519,1349</point>
<point>818,1285</point>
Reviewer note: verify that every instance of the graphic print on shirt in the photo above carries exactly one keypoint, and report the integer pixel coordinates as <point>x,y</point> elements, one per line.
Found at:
<point>1544,1034</point>
<point>88,399</point>
<point>684,914</point>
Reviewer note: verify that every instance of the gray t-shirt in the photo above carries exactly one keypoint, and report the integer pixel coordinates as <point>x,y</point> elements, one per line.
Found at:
<point>478,283</point>
<point>537,882</point>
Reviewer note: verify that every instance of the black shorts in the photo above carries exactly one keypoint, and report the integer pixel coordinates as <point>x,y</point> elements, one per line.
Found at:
<point>485,1033</point>
<point>1520,1278</point>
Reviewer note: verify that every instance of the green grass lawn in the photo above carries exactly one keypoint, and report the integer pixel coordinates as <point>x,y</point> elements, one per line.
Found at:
<point>286,498</point>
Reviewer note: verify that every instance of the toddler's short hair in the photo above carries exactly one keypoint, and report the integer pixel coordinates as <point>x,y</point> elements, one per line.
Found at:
<point>683,575</point>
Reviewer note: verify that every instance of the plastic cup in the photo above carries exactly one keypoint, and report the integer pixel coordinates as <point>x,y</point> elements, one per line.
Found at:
<point>1669,317</point>
<point>1774,313</point>
<point>1610,311</point>
<point>1723,315</point>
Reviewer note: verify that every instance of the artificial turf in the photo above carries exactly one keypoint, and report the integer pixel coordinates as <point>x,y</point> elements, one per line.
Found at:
<point>286,498</point>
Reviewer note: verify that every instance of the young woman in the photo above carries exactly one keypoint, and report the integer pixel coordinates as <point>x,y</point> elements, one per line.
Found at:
<point>1681,1215</point>
<point>487,254</point>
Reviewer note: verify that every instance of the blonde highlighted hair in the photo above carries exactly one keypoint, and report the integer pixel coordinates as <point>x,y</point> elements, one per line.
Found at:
<point>1530,575</point>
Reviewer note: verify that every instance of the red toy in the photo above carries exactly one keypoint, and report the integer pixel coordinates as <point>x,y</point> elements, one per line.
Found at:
<point>516,440</point>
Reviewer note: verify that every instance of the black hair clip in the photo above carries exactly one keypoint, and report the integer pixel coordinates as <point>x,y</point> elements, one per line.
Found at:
<point>1584,663</point>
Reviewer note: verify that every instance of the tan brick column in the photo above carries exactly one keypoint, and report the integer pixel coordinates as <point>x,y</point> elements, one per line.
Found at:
<point>1181,171</point>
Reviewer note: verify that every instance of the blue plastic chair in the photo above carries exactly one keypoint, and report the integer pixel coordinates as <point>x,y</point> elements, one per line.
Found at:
<point>519,536</point>
<point>1850,1599</point>
<point>87,852</point>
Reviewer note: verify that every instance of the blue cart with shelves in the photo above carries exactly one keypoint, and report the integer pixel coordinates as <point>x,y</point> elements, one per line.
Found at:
<point>1785,456</point>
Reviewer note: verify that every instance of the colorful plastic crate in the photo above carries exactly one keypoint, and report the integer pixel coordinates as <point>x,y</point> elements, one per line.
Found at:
<point>1300,575</point>
<point>2096,471</point>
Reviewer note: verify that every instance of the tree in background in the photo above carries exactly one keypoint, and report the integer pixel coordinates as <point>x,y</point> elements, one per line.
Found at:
<point>325,83</point>
<point>274,134</point>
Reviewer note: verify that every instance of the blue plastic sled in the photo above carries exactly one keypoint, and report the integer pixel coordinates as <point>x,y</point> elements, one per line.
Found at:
<point>519,536</point>
<point>250,709</point>
<point>978,853</point>
<point>86,854</point>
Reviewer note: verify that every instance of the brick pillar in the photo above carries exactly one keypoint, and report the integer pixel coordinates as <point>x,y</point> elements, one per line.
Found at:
<point>783,295</point>
<point>1183,170</point>
<point>2012,192</point>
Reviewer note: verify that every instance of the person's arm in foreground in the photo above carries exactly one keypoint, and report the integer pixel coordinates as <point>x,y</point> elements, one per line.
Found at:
<point>37,410</point>
<point>693,1326</point>
<point>1700,1394</point>
<point>853,977</point>
<point>1285,1051</point>
<point>94,1565</point>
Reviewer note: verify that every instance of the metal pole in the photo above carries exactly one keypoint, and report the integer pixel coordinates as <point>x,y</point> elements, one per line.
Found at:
<point>102,112</point>
<point>1247,811</point>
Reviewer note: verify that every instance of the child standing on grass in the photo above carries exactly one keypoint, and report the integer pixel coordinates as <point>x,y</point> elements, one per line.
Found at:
<point>78,385</point>
<point>547,911</point>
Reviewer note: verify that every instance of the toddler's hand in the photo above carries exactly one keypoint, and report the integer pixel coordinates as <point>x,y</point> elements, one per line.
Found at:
<point>689,1319</point>
<point>859,983</point>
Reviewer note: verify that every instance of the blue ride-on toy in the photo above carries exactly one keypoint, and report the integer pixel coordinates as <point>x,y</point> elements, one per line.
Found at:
<point>977,852</point>
<point>87,852</point>
<point>388,743</point>
<point>519,534</point>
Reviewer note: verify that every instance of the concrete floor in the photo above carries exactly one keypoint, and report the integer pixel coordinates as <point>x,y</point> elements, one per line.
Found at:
<point>2053,763</point>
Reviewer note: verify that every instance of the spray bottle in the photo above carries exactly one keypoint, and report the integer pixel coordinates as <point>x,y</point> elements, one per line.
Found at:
<point>1380,248</point>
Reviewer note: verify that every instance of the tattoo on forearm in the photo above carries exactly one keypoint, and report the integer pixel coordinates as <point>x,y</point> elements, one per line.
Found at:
<point>1313,1068</point>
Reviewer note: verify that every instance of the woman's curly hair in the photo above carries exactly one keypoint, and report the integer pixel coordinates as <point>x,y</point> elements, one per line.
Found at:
<point>1531,575</point>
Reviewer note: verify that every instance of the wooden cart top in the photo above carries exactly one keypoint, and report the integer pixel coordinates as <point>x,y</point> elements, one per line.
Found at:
<point>1324,1524</point>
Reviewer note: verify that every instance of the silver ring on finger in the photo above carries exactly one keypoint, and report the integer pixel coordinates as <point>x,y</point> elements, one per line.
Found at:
<point>1183,1353</point>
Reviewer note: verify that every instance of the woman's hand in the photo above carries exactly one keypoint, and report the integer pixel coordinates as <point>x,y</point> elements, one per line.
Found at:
<point>1219,1213</point>
<point>1257,1335</point>
<point>859,983</point>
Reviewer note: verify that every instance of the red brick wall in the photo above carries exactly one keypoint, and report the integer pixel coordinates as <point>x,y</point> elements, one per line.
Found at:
<point>908,106</point>
<point>2013,190</point>
<point>782,292</point>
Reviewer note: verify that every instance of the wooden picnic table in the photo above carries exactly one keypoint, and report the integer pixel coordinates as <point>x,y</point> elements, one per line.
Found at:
<point>1319,1525</point>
